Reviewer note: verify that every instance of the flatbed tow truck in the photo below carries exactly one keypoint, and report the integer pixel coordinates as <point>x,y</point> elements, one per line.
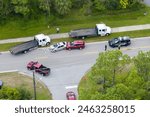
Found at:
<point>39,40</point>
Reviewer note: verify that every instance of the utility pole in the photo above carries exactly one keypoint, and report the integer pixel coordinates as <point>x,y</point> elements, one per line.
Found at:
<point>34,86</point>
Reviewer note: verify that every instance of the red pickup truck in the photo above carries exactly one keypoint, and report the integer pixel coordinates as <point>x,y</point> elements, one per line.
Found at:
<point>39,68</point>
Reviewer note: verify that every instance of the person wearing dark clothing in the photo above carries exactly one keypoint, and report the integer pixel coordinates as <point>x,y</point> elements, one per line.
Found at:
<point>119,47</point>
<point>105,47</point>
<point>57,30</point>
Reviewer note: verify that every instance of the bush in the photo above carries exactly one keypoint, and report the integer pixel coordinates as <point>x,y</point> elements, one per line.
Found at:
<point>10,93</point>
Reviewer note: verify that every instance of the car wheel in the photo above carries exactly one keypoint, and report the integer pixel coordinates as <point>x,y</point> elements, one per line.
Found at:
<point>48,43</point>
<point>83,37</point>
<point>107,34</point>
<point>25,52</point>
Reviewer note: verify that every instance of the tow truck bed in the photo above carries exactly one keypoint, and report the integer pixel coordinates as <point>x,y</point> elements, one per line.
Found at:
<point>83,33</point>
<point>24,47</point>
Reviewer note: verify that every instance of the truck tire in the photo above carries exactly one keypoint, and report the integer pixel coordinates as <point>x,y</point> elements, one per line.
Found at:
<point>48,43</point>
<point>83,37</point>
<point>25,52</point>
<point>107,34</point>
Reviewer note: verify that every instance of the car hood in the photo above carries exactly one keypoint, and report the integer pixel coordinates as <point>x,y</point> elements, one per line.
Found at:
<point>52,47</point>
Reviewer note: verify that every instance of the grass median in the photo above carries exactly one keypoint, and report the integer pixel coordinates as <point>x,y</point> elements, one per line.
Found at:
<point>74,20</point>
<point>16,80</point>
<point>132,34</point>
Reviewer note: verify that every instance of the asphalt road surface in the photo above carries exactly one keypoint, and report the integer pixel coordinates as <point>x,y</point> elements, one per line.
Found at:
<point>67,67</point>
<point>147,2</point>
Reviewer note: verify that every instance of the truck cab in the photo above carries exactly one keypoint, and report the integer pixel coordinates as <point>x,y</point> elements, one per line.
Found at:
<point>43,40</point>
<point>103,30</point>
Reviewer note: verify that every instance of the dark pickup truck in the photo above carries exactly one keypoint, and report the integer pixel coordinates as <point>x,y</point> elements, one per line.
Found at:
<point>39,68</point>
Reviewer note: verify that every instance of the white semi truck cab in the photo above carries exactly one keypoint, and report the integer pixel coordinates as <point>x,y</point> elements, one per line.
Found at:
<point>103,30</point>
<point>43,40</point>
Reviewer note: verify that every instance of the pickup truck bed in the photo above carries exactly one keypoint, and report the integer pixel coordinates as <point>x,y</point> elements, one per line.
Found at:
<point>80,33</point>
<point>39,68</point>
<point>24,47</point>
<point>43,70</point>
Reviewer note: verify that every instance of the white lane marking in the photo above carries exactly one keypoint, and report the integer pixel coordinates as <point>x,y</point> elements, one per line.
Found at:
<point>8,71</point>
<point>71,87</point>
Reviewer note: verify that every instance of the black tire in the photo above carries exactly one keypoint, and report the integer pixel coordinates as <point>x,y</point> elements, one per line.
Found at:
<point>25,52</point>
<point>107,34</point>
<point>83,37</point>
<point>48,43</point>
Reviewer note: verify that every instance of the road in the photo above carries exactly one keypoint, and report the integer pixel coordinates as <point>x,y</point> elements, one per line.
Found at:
<point>147,2</point>
<point>67,67</point>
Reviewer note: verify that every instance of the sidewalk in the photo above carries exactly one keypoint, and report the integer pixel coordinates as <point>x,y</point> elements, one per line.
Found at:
<point>65,35</point>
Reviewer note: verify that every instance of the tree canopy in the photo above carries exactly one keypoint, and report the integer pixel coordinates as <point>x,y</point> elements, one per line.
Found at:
<point>116,76</point>
<point>34,8</point>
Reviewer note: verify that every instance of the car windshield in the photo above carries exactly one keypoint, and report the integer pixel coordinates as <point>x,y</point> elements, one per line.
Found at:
<point>115,40</point>
<point>55,45</point>
<point>71,43</point>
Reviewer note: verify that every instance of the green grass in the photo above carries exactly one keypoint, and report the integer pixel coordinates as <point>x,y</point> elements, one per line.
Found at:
<point>132,34</point>
<point>75,20</point>
<point>27,83</point>
<point>7,46</point>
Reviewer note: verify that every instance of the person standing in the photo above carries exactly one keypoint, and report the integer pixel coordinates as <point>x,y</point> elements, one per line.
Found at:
<point>57,30</point>
<point>119,47</point>
<point>105,47</point>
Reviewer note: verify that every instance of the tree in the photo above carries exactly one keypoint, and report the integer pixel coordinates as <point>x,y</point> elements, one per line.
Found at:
<point>99,5</point>
<point>110,62</point>
<point>124,4</point>
<point>142,63</point>
<point>5,8</point>
<point>9,93</point>
<point>21,7</point>
<point>45,5</point>
<point>62,7</point>
<point>14,93</point>
<point>78,3</point>
<point>136,4</point>
<point>24,94</point>
<point>112,4</point>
